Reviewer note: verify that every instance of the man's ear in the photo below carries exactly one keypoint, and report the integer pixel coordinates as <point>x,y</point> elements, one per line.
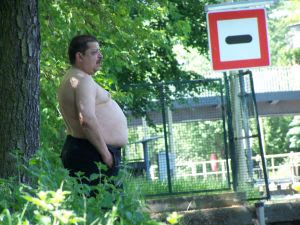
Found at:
<point>78,56</point>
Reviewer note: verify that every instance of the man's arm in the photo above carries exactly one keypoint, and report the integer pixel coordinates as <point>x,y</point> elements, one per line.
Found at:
<point>85,97</point>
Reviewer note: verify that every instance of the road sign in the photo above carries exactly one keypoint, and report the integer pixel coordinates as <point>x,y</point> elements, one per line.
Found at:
<point>238,39</point>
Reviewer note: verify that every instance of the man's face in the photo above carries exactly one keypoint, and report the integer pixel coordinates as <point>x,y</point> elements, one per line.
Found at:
<point>91,59</point>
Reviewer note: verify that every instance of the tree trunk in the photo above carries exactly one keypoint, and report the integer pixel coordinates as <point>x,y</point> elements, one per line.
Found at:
<point>19,82</point>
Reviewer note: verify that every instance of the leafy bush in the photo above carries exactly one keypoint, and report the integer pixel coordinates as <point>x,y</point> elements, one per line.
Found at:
<point>54,198</point>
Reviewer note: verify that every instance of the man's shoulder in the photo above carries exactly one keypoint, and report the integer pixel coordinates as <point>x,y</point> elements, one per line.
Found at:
<point>80,77</point>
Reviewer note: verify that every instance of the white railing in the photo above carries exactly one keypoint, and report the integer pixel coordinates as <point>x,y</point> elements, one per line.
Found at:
<point>288,168</point>
<point>279,166</point>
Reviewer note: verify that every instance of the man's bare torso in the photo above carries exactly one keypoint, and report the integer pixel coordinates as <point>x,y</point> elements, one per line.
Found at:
<point>109,115</point>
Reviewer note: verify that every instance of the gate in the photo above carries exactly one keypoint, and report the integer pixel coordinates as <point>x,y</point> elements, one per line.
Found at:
<point>184,142</point>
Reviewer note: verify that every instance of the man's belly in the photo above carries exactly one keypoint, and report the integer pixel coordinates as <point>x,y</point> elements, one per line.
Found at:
<point>113,123</point>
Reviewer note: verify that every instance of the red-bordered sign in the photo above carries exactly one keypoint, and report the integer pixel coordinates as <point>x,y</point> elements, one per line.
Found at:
<point>238,39</point>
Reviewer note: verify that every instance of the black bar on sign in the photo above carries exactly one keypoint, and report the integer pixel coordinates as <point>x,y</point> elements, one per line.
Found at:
<point>238,39</point>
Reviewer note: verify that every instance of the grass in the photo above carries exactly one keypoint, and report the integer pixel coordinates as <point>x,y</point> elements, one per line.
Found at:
<point>148,187</point>
<point>190,186</point>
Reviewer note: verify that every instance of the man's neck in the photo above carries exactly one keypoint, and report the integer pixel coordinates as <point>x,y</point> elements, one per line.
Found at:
<point>80,69</point>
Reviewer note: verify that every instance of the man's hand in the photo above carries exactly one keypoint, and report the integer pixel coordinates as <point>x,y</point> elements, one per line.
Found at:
<point>108,160</point>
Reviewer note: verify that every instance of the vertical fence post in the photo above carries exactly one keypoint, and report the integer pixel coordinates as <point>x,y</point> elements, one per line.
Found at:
<point>259,137</point>
<point>230,134</point>
<point>273,165</point>
<point>162,101</point>
<point>146,159</point>
<point>292,165</point>
<point>245,122</point>
<point>194,169</point>
<point>225,134</point>
<point>204,170</point>
<point>223,170</point>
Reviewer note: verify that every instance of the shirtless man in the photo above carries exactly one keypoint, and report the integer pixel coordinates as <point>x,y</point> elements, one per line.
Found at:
<point>96,126</point>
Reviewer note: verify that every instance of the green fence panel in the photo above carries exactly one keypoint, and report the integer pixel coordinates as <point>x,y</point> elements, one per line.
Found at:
<point>182,146</point>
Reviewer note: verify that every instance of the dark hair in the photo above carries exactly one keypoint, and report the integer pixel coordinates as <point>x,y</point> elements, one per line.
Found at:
<point>79,44</point>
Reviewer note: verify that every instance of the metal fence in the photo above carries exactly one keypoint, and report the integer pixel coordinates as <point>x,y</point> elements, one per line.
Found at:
<point>248,175</point>
<point>188,142</point>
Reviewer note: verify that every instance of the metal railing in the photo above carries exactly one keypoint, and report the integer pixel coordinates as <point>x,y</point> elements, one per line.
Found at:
<point>279,166</point>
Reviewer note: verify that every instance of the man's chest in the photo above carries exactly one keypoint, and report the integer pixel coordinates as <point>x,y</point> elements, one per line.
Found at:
<point>102,96</point>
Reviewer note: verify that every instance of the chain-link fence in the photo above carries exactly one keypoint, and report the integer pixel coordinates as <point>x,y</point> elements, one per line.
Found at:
<point>186,142</point>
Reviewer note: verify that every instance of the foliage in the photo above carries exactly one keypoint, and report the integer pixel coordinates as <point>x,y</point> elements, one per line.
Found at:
<point>296,55</point>
<point>275,131</point>
<point>174,218</point>
<point>282,15</point>
<point>293,134</point>
<point>49,208</point>
<point>55,198</point>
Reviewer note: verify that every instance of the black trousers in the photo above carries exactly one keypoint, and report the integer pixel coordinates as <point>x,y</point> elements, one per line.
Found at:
<point>79,155</point>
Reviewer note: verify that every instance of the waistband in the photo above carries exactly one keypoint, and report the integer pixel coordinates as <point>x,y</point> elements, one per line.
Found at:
<point>86,141</point>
